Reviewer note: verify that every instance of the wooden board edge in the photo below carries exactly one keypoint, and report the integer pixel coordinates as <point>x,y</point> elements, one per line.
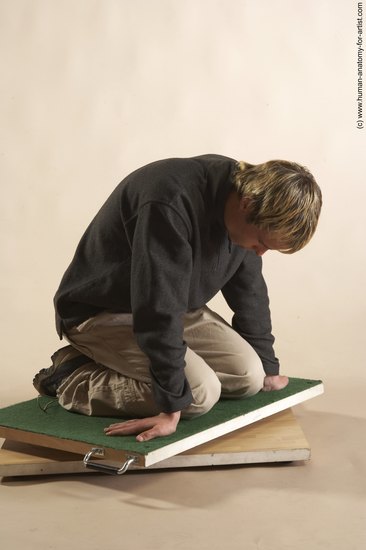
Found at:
<point>223,459</point>
<point>271,440</point>
<point>190,442</point>
<point>77,447</point>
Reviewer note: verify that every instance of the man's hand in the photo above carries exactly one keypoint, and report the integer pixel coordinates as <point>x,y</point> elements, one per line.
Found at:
<point>274,382</point>
<point>146,428</point>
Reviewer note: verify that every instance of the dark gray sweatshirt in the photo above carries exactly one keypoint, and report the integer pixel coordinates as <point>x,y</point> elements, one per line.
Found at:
<point>158,248</point>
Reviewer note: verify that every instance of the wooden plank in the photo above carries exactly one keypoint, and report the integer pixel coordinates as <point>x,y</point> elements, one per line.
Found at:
<point>22,459</point>
<point>275,439</point>
<point>234,424</point>
<point>117,449</point>
<point>68,445</point>
<point>278,438</point>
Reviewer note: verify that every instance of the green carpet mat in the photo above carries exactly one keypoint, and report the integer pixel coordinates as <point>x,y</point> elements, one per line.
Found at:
<point>57,422</point>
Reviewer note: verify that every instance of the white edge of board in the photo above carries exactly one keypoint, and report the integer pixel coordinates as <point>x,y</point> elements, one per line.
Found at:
<point>189,442</point>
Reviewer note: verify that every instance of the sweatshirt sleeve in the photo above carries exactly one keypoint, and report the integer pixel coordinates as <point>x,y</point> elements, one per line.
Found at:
<point>160,278</point>
<point>246,294</point>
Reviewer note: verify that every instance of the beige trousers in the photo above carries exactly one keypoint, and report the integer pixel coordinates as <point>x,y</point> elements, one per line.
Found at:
<point>219,363</point>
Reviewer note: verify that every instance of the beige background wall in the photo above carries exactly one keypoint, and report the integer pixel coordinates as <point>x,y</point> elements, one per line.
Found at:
<point>92,89</point>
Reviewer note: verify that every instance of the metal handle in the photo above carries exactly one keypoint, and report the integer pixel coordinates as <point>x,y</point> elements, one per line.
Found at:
<point>106,468</point>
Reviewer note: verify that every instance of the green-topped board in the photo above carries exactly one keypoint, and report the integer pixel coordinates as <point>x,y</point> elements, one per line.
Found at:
<point>44,422</point>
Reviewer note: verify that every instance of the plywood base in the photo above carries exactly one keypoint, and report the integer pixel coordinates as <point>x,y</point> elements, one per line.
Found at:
<point>275,439</point>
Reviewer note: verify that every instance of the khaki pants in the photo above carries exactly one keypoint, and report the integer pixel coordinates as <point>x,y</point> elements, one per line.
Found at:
<point>219,363</point>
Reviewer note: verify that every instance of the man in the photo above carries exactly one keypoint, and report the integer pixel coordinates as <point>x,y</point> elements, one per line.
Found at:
<point>132,303</point>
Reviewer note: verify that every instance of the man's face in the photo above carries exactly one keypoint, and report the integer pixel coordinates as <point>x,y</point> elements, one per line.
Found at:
<point>245,234</point>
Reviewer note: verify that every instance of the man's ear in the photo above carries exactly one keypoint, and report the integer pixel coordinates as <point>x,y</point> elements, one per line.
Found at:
<point>244,204</point>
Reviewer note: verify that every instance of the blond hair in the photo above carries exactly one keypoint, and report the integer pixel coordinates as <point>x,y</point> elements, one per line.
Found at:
<point>284,199</point>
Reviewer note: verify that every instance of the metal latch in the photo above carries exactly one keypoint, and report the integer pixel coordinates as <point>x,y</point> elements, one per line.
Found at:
<point>106,468</point>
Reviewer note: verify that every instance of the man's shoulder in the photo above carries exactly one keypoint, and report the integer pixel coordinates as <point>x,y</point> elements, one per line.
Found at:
<point>176,167</point>
<point>181,182</point>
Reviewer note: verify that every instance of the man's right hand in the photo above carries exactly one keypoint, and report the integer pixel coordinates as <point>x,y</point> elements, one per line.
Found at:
<point>274,383</point>
<point>146,428</point>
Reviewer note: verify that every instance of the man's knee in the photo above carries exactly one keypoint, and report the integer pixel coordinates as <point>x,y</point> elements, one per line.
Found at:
<point>245,384</point>
<point>253,382</point>
<point>205,396</point>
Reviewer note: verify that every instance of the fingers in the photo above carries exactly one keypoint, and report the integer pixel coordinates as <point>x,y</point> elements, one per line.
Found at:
<point>130,427</point>
<point>121,429</point>
<point>148,435</point>
<point>146,428</point>
<point>158,430</point>
<point>273,383</point>
<point>283,382</point>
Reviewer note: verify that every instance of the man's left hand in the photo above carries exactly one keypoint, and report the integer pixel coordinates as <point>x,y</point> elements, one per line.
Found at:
<point>272,383</point>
